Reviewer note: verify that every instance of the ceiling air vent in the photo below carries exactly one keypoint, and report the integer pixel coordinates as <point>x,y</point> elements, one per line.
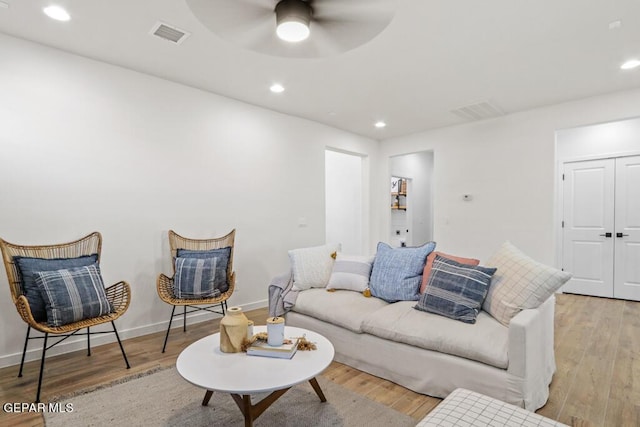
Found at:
<point>168,32</point>
<point>478,111</point>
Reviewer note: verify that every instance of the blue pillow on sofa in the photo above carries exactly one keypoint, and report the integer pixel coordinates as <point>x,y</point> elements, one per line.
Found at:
<point>28,267</point>
<point>73,294</point>
<point>397,272</point>
<point>455,290</point>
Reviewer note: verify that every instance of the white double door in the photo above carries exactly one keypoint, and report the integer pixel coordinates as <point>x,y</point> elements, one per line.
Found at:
<point>601,228</point>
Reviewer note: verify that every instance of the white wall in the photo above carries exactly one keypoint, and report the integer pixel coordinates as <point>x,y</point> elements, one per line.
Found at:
<point>343,195</point>
<point>88,146</point>
<point>508,165</point>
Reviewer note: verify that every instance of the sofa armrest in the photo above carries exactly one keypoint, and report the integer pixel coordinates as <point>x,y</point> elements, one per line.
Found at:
<point>531,338</point>
<point>531,347</point>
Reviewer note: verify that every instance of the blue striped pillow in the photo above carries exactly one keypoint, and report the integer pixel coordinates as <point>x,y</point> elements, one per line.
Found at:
<point>200,277</point>
<point>397,272</point>
<point>456,290</point>
<point>28,267</point>
<point>73,294</point>
<point>350,272</point>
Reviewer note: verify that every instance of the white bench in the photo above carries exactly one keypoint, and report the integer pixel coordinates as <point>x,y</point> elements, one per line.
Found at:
<point>465,408</point>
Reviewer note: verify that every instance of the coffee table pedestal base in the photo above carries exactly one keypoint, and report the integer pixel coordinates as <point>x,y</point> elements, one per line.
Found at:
<point>250,411</point>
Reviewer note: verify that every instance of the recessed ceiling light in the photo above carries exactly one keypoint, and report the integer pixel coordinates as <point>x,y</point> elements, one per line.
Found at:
<point>380,124</point>
<point>633,63</point>
<point>276,88</point>
<point>615,25</point>
<point>57,13</point>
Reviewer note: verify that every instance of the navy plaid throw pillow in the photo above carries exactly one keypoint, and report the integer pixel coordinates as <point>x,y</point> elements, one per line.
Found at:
<point>455,290</point>
<point>73,294</point>
<point>28,267</point>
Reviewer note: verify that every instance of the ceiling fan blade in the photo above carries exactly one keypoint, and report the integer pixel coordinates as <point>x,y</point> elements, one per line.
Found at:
<point>231,16</point>
<point>336,25</point>
<point>355,10</point>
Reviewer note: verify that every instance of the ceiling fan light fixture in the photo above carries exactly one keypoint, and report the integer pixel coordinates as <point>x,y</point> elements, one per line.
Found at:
<point>292,20</point>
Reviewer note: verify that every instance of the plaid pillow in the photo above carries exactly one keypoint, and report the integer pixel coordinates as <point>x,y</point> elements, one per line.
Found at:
<point>520,283</point>
<point>189,285</point>
<point>74,294</point>
<point>455,290</point>
<point>199,278</point>
<point>28,267</point>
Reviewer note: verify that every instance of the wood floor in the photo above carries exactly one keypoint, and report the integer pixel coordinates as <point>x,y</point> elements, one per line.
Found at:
<point>597,382</point>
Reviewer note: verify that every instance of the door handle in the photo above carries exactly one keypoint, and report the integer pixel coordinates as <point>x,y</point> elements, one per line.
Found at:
<point>608,235</point>
<point>621,235</point>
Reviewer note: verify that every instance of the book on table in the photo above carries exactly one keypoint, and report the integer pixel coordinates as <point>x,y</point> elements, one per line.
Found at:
<point>284,351</point>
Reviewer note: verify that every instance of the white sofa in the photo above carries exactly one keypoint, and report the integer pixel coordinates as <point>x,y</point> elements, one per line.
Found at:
<point>435,355</point>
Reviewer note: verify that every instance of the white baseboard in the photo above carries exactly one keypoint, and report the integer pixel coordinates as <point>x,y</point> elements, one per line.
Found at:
<point>80,343</point>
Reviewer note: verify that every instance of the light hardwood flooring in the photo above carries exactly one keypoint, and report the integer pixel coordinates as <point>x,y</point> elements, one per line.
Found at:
<point>597,382</point>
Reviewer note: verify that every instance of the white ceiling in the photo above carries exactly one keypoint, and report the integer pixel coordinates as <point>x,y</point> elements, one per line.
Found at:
<point>434,57</point>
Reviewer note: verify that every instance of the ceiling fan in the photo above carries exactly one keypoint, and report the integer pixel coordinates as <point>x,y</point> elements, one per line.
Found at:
<point>295,28</point>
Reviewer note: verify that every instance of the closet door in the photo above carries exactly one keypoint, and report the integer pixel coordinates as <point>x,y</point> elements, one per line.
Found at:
<point>588,242</point>
<point>627,229</point>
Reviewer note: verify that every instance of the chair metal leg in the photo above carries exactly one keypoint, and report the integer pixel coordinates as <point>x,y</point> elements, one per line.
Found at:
<point>88,342</point>
<point>184,319</point>
<point>24,350</point>
<point>166,337</point>
<point>120,343</point>
<point>44,352</point>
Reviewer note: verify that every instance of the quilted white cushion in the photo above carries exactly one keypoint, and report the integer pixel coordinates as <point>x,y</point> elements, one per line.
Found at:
<point>465,408</point>
<point>519,283</point>
<point>312,267</point>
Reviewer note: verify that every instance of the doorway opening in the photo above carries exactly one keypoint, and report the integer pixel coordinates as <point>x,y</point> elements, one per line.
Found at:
<point>411,206</point>
<point>344,200</point>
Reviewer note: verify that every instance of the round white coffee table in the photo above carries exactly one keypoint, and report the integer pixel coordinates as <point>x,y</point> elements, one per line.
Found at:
<point>204,365</point>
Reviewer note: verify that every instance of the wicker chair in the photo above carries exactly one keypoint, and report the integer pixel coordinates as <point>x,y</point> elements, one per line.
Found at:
<point>165,283</point>
<point>118,294</point>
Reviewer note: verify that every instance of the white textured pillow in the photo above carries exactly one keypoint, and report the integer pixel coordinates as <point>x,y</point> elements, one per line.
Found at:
<point>351,272</point>
<point>519,283</point>
<point>311,267</point>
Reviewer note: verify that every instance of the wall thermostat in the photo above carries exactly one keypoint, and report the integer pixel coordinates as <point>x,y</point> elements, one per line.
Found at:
<point>467,197</point>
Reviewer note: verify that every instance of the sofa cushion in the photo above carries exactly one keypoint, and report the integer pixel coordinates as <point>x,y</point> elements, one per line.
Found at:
<point>520,283</point>
<point>351,272</point>
<point>429,265</point>
<point>346,309</point>
<point>397,272</point>
<point>311,267</point>
<point>455,290</point>
<point>28,267</point>
<point>486,341</point>
<point>74,294</point>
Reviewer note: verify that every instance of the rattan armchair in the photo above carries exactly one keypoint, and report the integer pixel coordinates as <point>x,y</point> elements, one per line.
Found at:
<point>119,295</point>
<point>165,284</point>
